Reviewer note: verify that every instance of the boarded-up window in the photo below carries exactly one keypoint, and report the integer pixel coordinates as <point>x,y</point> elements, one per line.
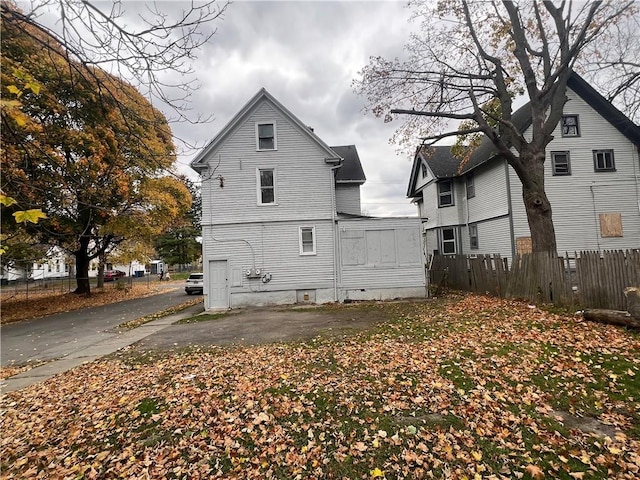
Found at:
<point>610,225</point>
<point>381,247</point>
<point>353,247</point>
<point>409,252</point>
<point>523,245</point>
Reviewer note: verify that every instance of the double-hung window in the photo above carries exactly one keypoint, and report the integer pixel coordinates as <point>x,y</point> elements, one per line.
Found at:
<point>570,126</point>
<point>266,179</point>
<point>448,241</point>
<point>603,161</point>
<point>471,185</point>
<point>445,193</point>
<point>473,236</point>
<point>266,136</point>
<point>307,237</point>
<point>560,163</point>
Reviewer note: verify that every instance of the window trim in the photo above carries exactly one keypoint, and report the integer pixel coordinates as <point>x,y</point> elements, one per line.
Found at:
<point>577,117</point>
<point>470,187</point>
<point>473,227</point>
<point>454,241</point>
<point>553,163</point>
<point>595,160</point>
<point>275,137</point>
<point>441,194</point>
<point>259,186</point>
<point>313,238</point>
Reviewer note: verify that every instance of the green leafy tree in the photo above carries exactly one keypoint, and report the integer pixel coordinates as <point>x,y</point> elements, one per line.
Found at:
<point>468,62</point>
<point>87,149</point>
<point>180,245</point>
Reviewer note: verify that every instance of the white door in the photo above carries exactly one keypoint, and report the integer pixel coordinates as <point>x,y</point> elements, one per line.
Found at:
<point>218,297</point>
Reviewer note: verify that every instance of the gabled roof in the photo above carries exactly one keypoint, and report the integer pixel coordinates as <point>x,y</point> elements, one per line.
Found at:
<point>444,165</point>
<point>200,162</point>
<point>439,160</point>
<point>351,169</point>
<point>521,118</point>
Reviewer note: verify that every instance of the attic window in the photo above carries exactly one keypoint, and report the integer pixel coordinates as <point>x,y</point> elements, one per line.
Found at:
<point>570,126</point>
<point>266,136</point>
<point>424,170</point>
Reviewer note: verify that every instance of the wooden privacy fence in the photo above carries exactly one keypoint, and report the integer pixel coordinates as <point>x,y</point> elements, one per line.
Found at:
<point>588,279</point>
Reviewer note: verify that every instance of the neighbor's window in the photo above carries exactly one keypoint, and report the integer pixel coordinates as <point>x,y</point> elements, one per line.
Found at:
<point>266,186</point>
<point>473,237</point>
<point>448,241</point>
<point>445,193</point>
<point>603,161</point>
<point>266,136</point>
<point>471,186</point>
<point>307,240</point>
<point>570,126</point>
<point>560,163</point>
<point>424,170</point>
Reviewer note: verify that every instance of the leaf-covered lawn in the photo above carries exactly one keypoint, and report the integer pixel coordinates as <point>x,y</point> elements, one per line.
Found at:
<point>465,387</point>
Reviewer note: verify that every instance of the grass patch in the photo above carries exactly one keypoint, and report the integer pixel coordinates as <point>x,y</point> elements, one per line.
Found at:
<point>204,317</point>
<point>130,325</point>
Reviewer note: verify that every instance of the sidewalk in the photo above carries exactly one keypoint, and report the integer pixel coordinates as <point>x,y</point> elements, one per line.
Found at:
<point>106,346</point>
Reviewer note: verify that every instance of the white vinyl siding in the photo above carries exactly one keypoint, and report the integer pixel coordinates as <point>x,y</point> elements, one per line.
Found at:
<point>578,199</point>
<point>348,199</point>
<point>236,159</point>
<point>274,247</point>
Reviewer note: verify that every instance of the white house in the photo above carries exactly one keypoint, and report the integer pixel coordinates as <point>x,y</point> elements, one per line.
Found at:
<point>281,218</point>
<point>592,179</point>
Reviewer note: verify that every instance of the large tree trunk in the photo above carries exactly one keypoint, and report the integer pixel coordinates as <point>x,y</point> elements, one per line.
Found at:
<point>82,267</point>
<point>538,208</point>
<point>536,203</point>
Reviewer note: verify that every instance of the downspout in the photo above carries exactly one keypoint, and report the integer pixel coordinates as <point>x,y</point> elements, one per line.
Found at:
<point>334,226</point>
<point>595,216</point>
<point>510,211</point>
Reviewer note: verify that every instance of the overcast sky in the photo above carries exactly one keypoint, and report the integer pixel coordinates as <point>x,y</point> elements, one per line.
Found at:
<point>307,54</point>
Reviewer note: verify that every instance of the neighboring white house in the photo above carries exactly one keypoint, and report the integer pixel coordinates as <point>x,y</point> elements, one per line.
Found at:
<point>592,179</point>
<point>282,222</point>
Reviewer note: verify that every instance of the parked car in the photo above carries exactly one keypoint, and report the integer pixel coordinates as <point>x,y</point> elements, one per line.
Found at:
<point>111,275</point>
<point>195,284</point>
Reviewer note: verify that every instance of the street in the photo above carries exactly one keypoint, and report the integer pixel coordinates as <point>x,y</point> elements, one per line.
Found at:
<point>62,334</point>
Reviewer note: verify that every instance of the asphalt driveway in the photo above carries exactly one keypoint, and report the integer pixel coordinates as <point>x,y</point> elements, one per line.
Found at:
<point>264,325</point>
